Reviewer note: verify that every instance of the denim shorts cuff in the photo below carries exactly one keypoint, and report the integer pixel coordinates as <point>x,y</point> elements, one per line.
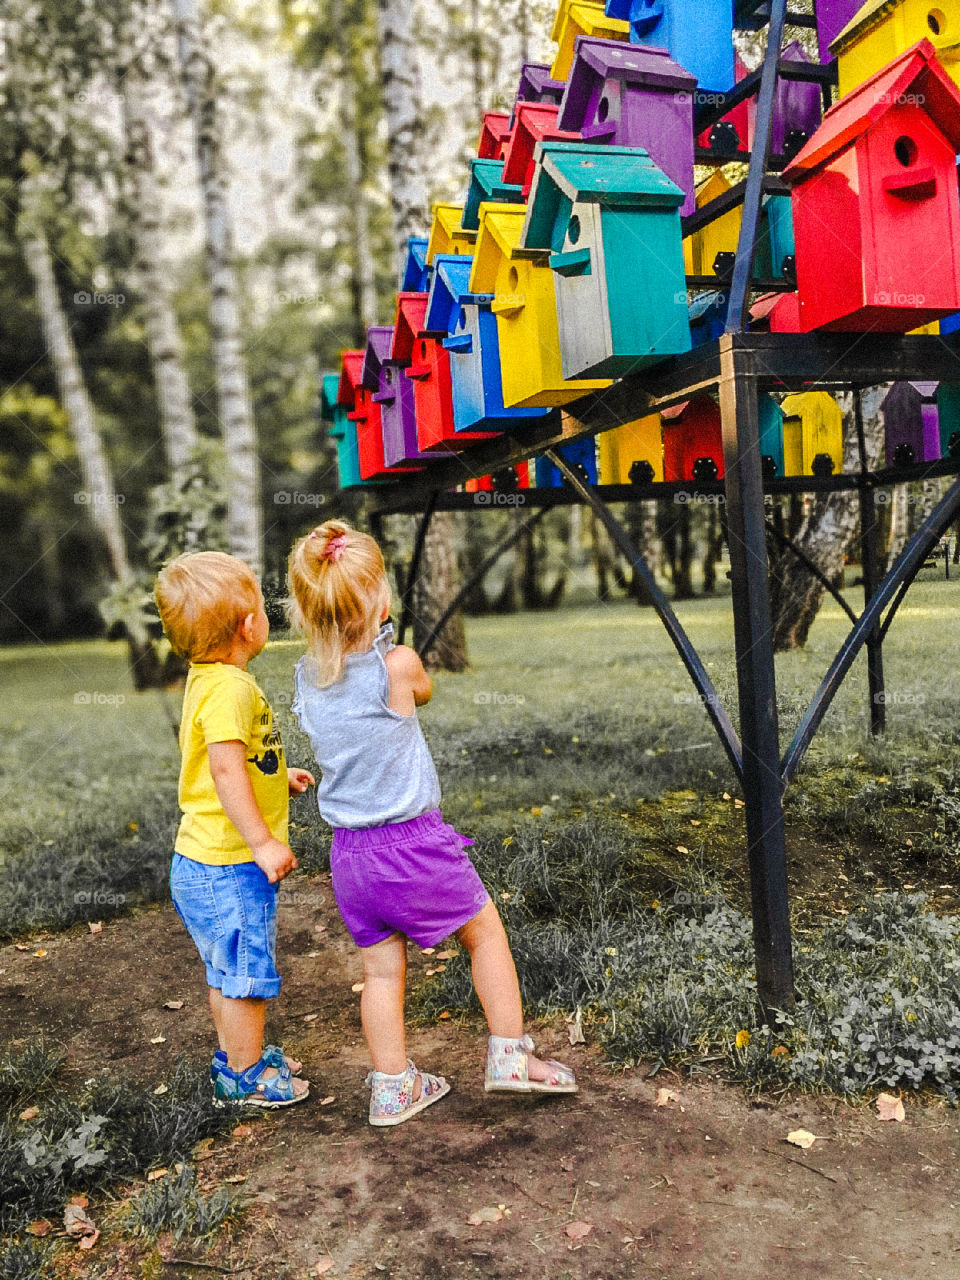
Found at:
<point>240,988</point>
<point>214,978</point>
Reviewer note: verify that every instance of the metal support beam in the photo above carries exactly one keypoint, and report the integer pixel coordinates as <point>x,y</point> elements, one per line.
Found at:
<point>753,635</point>
<point>813,568</point>
<point>868,560</point>
<point>688,654</point>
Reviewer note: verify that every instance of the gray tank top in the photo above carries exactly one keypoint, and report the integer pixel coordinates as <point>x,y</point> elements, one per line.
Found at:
<point>375,764</point>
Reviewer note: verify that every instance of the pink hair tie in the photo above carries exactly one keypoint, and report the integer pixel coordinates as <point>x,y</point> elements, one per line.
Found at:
<point>334,548</point>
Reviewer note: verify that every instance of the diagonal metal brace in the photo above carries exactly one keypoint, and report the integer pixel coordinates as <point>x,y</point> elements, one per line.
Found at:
<point>688,654</point>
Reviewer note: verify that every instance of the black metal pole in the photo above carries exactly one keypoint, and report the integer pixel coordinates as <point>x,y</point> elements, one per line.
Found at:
<point>756,678</point>
<point>419,542</point>
<point>871,578</point>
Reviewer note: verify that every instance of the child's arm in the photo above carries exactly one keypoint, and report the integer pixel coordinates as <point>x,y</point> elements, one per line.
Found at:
<point>228,768</point>
<point>298,780</point>
<point>410,686</point>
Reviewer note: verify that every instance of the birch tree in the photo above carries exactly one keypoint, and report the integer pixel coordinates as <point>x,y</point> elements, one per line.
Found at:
<point>244,511</point>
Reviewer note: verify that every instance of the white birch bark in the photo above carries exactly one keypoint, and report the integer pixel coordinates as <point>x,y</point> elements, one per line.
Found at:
<point>177,423</point>
<point>402,100</point>
<point>358,209</point>
<point>244,512</point>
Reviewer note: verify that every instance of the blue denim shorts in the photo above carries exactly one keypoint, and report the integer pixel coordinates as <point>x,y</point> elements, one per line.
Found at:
<point>231,915</point>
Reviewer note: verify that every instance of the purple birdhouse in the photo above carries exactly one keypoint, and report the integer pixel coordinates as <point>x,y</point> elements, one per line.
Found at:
<point>537,86</point>
<point>797,109</point>
<point>398,417</point>
<point>912,423</point>
<point>632,95</point>
<point>832,17</point>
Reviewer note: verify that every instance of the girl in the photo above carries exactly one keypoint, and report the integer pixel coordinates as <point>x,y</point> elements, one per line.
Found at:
<point>398,870</point>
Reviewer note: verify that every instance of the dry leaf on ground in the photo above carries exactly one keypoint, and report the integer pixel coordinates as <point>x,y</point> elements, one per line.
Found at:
<point>236,1178</point>
<point>357,988</point>
<point>578,1230</point>
<point>241,1131</point>
<point>173,1004</point>
<point>575,1028</point>
<point>490,1213</point>
<point>160,1090</point>
<point>325,1102</point>
<point>159,1040</point>
<point>155,1174</point>
<point>446,955</point>
<point>77,1224</point>
<point>95,926</point>
<point>890,1107</point>
<point>802,1138</point>
<point>30,1113</point>
<point>40,1228</point>
<point>666,1096</point>
<point>324,1264</point>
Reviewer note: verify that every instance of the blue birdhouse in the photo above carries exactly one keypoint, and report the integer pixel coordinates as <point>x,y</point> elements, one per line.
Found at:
<point>582,457</point>
<point>696,33</point>
<point>708,317</point>
<point>771,436</point>
<point>416,273</point>
<point>612,221</point>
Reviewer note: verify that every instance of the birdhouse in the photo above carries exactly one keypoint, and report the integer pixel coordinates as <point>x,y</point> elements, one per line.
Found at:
<point>692,441</point>
<point>911,422</point>
<point>575,18</point>
<point>366,412</point>
<point>708,317</point>
<point>734,131</point>
<point>536,85</point>
<point>533,122</point>
<point>509,480</point>
<point>494,135</point>
<point>832,17</point>
<point>416,273</point>
<point>770,419</point>
<point>582,457</point>
<point>428,369</point>
<point>697,33</point>
<point>776,237</point>
<point>398,417</point>
<point>882,29</point>
<point>486,187</point>
<point>632,96</point>
<point>797,108</point>
<point>341,431</point>
<point>633,453</point>
<point>447,234</point>
<point>812,434</point>
<point>612,221</point>
<point>874,189</point>
<point>525,305</point>
<point>948,408</point>
<point>700,249</point>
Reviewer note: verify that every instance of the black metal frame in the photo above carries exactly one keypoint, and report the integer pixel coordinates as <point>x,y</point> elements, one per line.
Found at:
<point>738,366</point>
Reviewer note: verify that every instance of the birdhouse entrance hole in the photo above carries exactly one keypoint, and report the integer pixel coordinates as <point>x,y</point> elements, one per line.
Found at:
<point>905,149</point>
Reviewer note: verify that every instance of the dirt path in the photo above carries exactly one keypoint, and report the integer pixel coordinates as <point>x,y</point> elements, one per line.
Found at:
<point>703,1188</point>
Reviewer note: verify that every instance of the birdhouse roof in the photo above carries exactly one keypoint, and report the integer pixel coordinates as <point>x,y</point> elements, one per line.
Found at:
<point>535,81</point>
<point>916,72</point>
<point>873,12</point>
<point>379,342</point>
<point>700,403</point>
<point>617,177</point>
<point>486,183</point>
<point>416,265</point>
<point>704,303</point>
<point>495,128</point>
<point>351,372</point>
<point>409,324</point>
<point>451,279</point>
<point>597,59</point>
<point>533,122</point>
<point>501,226</point>
<point>329,385</point>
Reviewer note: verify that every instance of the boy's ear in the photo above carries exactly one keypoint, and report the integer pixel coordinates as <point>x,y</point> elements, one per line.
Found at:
<point>247,626</point>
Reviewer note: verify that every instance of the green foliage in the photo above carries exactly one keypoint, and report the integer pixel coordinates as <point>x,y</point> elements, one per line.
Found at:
<point>175,1204</point>
<point>24,1260</point>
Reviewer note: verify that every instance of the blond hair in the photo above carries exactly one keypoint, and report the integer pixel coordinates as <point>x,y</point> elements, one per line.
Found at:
<point>338,589</point>
<point>203,599</point>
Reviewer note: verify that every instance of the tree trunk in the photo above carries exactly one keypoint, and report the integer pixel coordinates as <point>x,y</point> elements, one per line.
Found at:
<point>675,534</point>
<point>828,530</point>
<point>713,550</point>
<point>177,424</point>
<point>244,511</point>
<point>433,593</point>
<point>604,558</point>
<point>355,200</point>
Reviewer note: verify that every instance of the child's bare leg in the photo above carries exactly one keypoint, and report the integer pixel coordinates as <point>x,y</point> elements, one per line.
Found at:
<point>381,1004</point>
<point>241,1029</point>
<point>215,1000</point>
<point>495,978</point>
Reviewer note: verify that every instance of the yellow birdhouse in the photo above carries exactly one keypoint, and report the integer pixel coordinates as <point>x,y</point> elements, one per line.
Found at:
<point>812,434</point>
<point>446,233</point>
<point>882,29</point>
<point>720,236</point>
<point>633,453</point>
<point>581,18</point>
<point>525,304</point>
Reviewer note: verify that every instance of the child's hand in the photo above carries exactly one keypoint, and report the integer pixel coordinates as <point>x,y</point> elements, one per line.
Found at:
<point>298,780</point>
<point>275,859</point>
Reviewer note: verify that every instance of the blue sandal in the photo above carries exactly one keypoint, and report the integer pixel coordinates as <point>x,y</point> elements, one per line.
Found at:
<point>272,1053</point>
<point>249,1089</point>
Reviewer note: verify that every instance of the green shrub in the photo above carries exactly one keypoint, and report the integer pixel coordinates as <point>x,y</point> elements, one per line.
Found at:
<point>176,1205</point>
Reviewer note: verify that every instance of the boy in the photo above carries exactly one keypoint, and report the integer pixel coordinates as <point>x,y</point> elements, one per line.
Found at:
<point>231,847</point>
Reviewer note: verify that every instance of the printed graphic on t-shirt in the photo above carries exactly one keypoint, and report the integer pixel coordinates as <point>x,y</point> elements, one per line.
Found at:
<point>268,760</point>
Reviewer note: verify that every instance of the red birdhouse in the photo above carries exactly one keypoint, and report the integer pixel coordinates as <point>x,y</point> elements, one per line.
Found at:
<point>494,135</point>
<point>692,440</point>
<point>503,483</point>
<point>533,122</point>
<point>875,207</point>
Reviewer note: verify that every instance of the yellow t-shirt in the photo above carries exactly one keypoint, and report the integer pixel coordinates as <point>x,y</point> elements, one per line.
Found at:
<point>223,703</point>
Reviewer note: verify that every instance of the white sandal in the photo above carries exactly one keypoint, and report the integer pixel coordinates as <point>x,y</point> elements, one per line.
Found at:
<point>507,1069</point>
<point>391,1097</point>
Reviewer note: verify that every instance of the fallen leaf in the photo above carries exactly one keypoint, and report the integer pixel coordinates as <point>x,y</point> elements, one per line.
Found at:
<point>682,848</point>
<point>311,1017</point>
<point>325,1102</point>
<point>488,1214</point>
<point>236,1177</point>
<point>159,1040</point>
<point>241,1131</point>
<point>160,1090</point>
<point>781,1051</point>
<point>666,1096</point>
<point>357,988</point>
<point>95,926</point>
<point>41,1227</point>
<point>739,804</point>
<point>90,1239</point>
<point>77,1224</point>
<point>40,954</point>
<point>575,1028</point>
<point>156,1174</point>
<point>446,955</point>
<point>695,822</point>
<point>890,1108</point>
<point>726,795</point>
<point>173,1004</point>
<point>428,951</point>
<point>80,1200</point>
<point>442,1017</point>
<point>325,1264</point>
<point>801,1138</point>
<point>578,1229</point>
<point>312,955</point>
<point>30,1113</point>
<point>21,946</point>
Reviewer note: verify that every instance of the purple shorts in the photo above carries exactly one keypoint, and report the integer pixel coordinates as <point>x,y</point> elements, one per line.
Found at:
<point>406,877</point>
